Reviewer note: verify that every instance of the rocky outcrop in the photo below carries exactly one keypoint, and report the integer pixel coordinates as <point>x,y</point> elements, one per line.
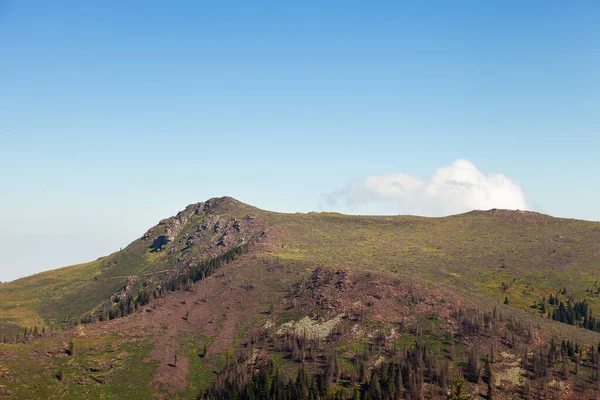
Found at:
<point>204,230</point>
<point>213,209</point>
<point>125,290</point>
<point>171,227</point>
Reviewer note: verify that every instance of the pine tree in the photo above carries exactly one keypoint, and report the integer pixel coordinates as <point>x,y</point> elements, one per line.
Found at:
<point>489,376</point>
<point>71,350</point>
<point>473,368</point>
<point>374,388</point>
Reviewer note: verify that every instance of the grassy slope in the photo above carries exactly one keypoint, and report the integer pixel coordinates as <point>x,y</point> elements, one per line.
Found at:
<point>539,253</point>
<point>464,251</point>
<point>120,364</point>
<point>133,353</point>
<point>119,352</point>
<point>53,296</point>
<point>475,251</point>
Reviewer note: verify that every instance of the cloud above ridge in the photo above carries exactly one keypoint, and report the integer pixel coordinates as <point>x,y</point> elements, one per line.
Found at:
<point>453,189</point>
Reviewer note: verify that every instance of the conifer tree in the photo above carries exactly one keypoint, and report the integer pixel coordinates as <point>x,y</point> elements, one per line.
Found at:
<point>489,376</point>
<point>71,348</point>
<point>473,367</point>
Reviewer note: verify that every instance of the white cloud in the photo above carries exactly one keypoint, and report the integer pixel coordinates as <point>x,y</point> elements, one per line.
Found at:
<point>457,188</point>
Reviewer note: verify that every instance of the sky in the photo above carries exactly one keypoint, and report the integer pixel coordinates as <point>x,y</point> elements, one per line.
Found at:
<point>116,114</point>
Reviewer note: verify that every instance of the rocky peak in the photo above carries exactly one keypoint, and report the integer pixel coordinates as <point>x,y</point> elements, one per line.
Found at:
<point>169,229</point>
<point>222,205</point>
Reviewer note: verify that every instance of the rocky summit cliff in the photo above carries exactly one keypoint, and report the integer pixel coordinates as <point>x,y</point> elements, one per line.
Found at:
<point>224,300</point>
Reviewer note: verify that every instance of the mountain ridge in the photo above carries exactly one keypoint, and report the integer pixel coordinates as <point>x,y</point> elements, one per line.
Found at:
<point>221,277</point>
<point>171,227</point>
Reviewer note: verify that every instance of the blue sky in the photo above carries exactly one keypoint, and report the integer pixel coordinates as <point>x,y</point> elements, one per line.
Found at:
<point>116,114</point>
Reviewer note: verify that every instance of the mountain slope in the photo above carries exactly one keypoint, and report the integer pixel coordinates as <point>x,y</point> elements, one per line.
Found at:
<point>355,282</point>
<point>534,255</point>
<point>57,296</point>
<point>477,251</point>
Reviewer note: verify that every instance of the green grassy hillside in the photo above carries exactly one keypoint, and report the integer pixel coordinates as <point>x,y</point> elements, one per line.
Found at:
<point>52,298</point>
<point>364,290</point>
<point>535,255</point>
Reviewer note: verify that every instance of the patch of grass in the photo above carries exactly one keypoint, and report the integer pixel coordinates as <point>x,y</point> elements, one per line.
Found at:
<point>405,341</point>
<point>201,371</point>
<point>100,367</point>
